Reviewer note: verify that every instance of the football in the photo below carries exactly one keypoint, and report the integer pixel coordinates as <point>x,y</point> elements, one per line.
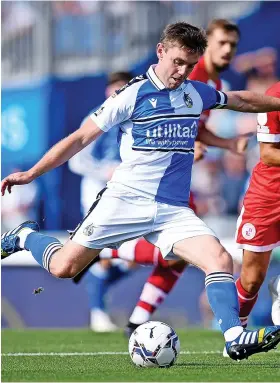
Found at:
<point>154,344</point>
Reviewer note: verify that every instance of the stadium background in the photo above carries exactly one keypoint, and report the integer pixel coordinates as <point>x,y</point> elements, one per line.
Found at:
<point>55,58</point>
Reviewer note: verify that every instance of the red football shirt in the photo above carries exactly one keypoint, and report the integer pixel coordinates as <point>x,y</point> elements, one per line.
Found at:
<point>199,73</point>
<point>265,181</point>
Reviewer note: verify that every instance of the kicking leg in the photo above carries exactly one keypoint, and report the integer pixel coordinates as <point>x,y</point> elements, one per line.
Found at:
<point>61,261</point>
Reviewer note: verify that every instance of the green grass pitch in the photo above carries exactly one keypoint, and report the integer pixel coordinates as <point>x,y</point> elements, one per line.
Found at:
<point>84,356</point>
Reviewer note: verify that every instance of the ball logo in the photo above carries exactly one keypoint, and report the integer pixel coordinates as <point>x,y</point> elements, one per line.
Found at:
<point>248,231</point>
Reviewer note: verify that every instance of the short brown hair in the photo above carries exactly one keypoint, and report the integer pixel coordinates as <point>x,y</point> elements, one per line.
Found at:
<point>186,35</point>
<point>119,76</point>
<point>224,24</point>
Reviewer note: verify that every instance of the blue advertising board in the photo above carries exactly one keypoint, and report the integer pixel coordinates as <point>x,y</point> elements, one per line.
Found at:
<point>24,123</point>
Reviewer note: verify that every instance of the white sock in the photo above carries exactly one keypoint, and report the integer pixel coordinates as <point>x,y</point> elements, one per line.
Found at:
<point>233,333</point>
<point>22,235</point>
<point>99,271</point>
<point>139,315</point>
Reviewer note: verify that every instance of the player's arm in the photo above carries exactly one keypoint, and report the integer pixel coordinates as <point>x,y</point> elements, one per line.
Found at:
<point>270,153</point>
<point>113,111</point>
<point>56,156</point>
<point>268,134</point>
<point>251,102</point>
<point>236,145</point>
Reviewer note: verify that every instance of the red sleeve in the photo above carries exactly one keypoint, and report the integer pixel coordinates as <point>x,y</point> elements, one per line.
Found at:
<point>269,123</point>
<point>191,202</point>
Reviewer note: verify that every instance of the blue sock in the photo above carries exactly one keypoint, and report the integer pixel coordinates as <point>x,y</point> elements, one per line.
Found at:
<point>115,273</point>
<point>42,247</point>
<point>222,297</point>
<point>96,284</point>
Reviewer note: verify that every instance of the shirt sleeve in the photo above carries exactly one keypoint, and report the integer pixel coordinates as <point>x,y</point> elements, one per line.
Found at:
<point>116,109</point>
<point>268,129</point>
<point>211,98</point>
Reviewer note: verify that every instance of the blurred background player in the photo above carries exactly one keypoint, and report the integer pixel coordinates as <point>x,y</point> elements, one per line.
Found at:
<point>96,164</point>
<point>258,226</point>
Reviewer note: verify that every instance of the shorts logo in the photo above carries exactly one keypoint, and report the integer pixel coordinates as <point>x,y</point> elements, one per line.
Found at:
<point>248,231</point>
<point>88,230</point>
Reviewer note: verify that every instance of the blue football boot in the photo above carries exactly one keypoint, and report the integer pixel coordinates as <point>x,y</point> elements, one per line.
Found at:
<point>9,239</point>
<point>253,342</point>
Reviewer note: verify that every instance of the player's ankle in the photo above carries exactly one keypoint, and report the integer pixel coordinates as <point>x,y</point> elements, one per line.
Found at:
<point>22,235</point>
<point>233,333</point>
<point>132,325</point>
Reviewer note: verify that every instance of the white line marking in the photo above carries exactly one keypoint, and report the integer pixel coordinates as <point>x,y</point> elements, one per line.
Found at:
<point>99,353</point>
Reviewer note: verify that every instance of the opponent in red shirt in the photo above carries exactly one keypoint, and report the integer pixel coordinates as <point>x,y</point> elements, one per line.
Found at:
<point>258,226</point>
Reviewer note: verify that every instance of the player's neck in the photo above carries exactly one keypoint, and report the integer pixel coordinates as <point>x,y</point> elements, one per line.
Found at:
<point>160,74</point>
<point>210,67</point>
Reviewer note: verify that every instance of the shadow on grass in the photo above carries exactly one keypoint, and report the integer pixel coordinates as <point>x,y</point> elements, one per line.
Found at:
<point>230,364</point>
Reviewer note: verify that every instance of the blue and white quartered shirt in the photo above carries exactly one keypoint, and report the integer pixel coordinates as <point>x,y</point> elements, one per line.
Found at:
<point>157,131</point>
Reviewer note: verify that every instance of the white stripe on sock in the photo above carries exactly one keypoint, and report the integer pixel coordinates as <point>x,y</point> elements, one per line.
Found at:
<point>152,294</point>
<point>246,299</point>
<point>214,275</point>
<point>54,250</point>
<point>218,281</point>
<point>46,252</point>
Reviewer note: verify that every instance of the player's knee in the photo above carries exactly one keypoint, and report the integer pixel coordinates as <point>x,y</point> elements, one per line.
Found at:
<point>220,262</point>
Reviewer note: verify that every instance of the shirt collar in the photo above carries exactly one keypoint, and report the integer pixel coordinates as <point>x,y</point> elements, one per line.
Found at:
<point>154,78</point>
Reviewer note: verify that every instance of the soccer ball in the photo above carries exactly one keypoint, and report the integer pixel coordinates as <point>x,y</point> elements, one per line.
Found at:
<point>154,344</point>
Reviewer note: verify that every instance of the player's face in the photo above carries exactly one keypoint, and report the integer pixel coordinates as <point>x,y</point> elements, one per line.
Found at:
<point>222,47</point>
<point>175,64</point>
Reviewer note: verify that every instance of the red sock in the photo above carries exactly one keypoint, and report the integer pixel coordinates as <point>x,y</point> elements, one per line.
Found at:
<point>139,251</point>
<point>148,254</point>
<point>158,285</point>
<point>246,302</point>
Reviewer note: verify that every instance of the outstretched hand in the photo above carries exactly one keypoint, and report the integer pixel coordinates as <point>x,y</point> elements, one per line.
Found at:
<point>19,178</point>
<point>199,151</point>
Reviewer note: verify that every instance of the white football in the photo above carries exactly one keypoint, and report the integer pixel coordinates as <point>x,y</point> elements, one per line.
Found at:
<point>154,344</point>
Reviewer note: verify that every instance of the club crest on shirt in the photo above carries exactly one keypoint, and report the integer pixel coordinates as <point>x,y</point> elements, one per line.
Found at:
<point>88,230</point>
<point>188,100</point>
<point>248,231</point>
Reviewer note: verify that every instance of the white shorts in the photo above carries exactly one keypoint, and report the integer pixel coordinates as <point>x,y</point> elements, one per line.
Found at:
<point>121,216</point>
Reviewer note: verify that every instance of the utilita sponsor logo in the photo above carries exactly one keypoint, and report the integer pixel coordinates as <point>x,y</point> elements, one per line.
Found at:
<point>173,131</point>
